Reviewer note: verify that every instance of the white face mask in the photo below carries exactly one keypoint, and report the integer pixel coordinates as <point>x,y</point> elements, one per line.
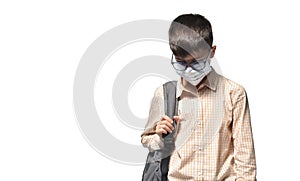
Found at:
<point>194,77</point>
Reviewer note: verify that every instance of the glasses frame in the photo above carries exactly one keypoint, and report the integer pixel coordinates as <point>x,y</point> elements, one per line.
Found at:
<point>184,65</point>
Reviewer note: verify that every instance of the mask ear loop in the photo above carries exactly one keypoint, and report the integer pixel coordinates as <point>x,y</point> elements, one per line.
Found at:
<point>208,59</point>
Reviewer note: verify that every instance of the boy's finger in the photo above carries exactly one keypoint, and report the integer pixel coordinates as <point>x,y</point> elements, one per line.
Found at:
<point>167,123</point>
<point>162,131</point>
<point>165,127</point>
<point>164,117</point>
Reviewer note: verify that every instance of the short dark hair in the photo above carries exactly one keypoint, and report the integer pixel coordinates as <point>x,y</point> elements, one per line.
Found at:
<point>187,32</point>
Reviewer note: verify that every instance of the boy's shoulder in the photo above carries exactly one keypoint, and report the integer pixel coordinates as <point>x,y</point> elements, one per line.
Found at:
<point>230,85</point>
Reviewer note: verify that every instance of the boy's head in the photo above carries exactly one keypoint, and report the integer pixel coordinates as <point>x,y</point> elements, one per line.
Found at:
<point>189,35</point>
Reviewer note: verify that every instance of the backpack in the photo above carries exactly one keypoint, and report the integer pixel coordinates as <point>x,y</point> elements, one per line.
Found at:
<point>157,163</point>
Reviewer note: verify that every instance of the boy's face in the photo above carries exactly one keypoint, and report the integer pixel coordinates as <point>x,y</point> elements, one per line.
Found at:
<point>199,55</point>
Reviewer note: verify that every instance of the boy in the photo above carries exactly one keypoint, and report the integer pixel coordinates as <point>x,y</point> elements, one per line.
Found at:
<point>214,136</point>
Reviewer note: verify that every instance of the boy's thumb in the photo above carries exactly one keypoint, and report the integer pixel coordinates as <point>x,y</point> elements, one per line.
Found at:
<point>177,119</point>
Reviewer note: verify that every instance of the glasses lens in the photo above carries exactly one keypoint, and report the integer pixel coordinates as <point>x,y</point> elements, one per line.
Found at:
<point>179,65</point>
<point>198,65</point>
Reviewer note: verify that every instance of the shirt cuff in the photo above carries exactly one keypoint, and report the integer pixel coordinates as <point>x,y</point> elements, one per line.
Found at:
<point>153,142</point>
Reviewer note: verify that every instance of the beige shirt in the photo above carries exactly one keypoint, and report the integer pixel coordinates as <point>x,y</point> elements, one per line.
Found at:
<point>214,137</point>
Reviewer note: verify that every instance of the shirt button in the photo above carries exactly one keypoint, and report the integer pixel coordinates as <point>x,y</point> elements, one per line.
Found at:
<point>199,122</point>
<point>199,173</point>
<point>199,148</point>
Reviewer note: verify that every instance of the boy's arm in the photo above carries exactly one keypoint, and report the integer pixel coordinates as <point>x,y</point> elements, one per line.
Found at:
<point>245,163</point>
<point>149,138</point>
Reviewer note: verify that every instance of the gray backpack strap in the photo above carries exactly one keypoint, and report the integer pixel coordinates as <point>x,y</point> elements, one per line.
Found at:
<point>170,101</point>
<point>171,109</point>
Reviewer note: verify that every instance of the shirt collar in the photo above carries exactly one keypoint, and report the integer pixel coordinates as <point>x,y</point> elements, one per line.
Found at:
<point>209,81</point>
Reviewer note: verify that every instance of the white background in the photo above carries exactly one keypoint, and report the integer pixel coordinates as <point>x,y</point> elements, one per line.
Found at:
<point>41,44</point>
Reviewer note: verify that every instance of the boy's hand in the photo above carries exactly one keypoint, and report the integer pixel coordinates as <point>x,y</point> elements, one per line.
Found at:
<point>165,125</point>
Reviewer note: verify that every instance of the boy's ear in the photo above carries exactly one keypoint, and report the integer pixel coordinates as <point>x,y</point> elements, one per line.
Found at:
<point>213,51</point>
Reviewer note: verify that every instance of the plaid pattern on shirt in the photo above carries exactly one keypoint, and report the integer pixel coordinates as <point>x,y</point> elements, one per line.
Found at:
<point>214,139</point>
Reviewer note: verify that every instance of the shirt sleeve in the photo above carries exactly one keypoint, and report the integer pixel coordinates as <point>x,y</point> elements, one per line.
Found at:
<point>245,163</point>
<point>150,139</point>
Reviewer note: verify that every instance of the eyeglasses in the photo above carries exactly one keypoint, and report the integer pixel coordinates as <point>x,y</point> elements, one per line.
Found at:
<point>181,65</point>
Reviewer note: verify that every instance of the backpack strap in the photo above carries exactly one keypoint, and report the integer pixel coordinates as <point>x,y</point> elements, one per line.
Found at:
<point>171,109</point>
<point>170,102</point>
